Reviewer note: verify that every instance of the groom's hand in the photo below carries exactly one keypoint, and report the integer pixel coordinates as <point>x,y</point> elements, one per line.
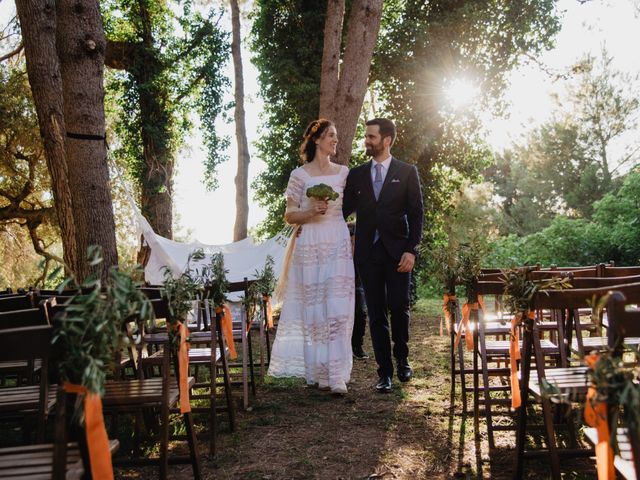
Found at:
<point>407,262</point>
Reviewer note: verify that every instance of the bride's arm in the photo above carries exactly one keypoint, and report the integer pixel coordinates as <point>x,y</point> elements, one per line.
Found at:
<point>295,216</point>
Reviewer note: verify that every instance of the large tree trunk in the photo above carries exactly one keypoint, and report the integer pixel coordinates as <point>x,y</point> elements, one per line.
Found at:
<point>242,175</point>
<point>38,25</point>
<point>157,186</point>
<point>346,100</point>
<point>330,72</point>
<point>81,48</point>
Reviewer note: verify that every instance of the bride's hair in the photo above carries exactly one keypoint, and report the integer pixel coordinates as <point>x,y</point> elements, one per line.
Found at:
<point>313,131</point>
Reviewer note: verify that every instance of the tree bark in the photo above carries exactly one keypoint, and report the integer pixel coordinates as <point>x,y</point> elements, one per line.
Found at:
<point>364,23</point>
<point>242,175</point>
<point>81,49</point>
<point>157,178</point>
<point>330,72</point>
<point>342,88</point>
<point>38,25</point>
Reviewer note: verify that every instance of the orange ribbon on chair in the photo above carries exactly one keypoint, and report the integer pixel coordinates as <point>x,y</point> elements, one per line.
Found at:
<point>226,322</point>
<point>596,415</point>
<point>97,439</point>
<point>183,367</point>
<point>481,303</point>
<point>445,310</point>
<point>269,308</point>
<point>466,313</point>
<point>514,356</point>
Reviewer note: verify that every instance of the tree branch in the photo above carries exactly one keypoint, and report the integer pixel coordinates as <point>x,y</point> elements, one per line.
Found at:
<point>12,53</point>
<point>119,55</point>
<point>38,244</point>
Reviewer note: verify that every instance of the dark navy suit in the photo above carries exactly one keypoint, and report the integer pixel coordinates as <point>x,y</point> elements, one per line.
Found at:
<point>397,215</point>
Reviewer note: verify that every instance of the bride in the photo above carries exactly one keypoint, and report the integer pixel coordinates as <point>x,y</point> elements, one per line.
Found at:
<point>313,339</point>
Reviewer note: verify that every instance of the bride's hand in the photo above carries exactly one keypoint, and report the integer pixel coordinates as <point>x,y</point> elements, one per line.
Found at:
<point>319,207</point>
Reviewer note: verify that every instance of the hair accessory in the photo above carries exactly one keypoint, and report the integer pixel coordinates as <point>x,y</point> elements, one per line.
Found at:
<point>314,129</point>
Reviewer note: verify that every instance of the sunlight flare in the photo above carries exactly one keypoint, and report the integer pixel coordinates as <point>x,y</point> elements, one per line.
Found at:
<point>461,92</point>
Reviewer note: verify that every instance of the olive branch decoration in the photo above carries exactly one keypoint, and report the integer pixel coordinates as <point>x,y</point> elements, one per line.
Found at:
<point>91,329</point>
<point>616,383</point>
<point>264,285</point>
<point>520,289</point>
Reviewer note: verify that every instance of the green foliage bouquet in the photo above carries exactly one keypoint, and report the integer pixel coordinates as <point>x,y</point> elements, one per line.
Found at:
<point>91,329</point>
<point>322,191</point>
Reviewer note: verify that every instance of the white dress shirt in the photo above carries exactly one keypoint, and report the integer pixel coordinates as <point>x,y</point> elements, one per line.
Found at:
<point>383,171</point>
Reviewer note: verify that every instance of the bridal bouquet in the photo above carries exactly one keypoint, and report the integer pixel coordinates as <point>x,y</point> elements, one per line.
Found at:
<point>322,192</point>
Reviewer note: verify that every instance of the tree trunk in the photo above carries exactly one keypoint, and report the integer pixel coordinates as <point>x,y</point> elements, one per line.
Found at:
<point>364,23</point>
<point>330,72</point>
<point>81,48</point>
<point>242,175</point>
<point>38,25</point>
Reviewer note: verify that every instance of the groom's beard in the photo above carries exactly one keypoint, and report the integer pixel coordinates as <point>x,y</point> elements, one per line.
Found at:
<point>374,150</point>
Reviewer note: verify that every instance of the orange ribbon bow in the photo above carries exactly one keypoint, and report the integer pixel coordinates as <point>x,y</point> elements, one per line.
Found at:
<point>267,304</point>
<point>466,313</point>
<point>514,356</point>
<point>447,314</point>
<point>596,415</point>
<point>183,366</point>
<point>97,439</point>
<point>226,322</point>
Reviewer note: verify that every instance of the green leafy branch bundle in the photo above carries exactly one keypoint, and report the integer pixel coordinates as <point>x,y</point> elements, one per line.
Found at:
<point>91,330</point>
<point>618,384</point>
<point>214,280</point>
<point>264,285</point>
<point>469,259</point>
<point>181,291</point>
<point>520,289</point>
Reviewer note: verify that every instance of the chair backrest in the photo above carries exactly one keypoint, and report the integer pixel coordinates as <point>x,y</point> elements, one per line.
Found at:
<point>29,317</point>
<point>545,274</point>
<point>599,282</point>
<point>16,302</point>
<point>25,343</point>
<point>622,322</point>
<point>620,271</point>
<point>573,298</point>
<point>490,288</point>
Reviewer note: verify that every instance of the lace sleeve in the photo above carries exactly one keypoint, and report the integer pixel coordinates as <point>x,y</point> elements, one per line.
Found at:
<point>295,189</point>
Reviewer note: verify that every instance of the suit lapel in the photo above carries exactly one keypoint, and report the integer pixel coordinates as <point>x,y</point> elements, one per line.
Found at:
<point>368,181</point>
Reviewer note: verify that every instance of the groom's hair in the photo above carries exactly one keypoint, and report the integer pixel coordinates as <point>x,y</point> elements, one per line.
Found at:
<point>387,127</point>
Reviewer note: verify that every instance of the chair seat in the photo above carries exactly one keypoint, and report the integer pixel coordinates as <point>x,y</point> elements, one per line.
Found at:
<point>501,347</point>
<point>572,382</point>
<point>35,462</point>
<point>196,355</point>
<point>23,399</point>
<point>600,343</point>
<point>137,392</point>
<point>622,462</point>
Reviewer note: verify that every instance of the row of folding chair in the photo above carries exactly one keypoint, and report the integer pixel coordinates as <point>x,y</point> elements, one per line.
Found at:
<point>141,395</point>
<point>569,383</point>
<point>490,343</point>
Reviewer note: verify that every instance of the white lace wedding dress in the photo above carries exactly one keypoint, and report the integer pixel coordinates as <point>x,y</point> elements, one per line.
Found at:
<point>313,339</point>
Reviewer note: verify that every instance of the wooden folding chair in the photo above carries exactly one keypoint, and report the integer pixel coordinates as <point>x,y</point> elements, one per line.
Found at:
<point>57,460</point>
<point>623,324</point>
<point>154,394</point>
<point>22,400</point>
<point>209,352</point>
<point>570,382</point>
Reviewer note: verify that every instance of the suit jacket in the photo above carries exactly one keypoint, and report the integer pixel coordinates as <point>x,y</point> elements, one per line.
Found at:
<point>397,214</point>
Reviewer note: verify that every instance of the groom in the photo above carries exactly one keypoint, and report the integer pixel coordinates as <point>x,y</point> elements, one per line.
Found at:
<point>385,194</point>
